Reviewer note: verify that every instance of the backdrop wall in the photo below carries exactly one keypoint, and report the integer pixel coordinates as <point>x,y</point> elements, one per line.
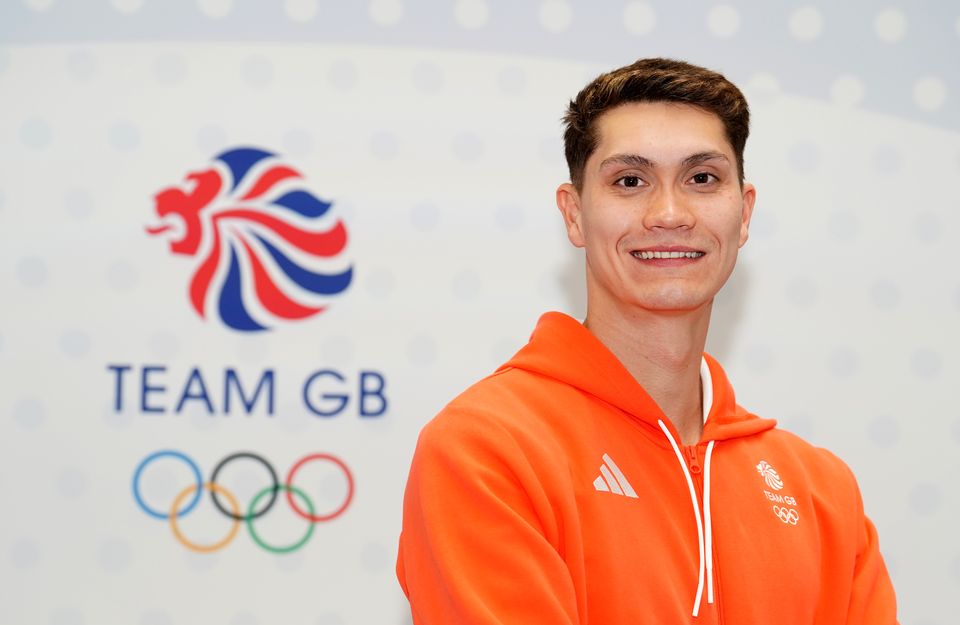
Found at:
<point>294,230</point>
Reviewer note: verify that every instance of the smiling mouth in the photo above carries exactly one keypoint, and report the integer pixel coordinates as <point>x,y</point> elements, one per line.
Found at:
<point>651,255</point>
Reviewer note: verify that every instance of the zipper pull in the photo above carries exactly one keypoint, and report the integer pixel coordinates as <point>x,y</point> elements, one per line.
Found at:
<point>692,460</point>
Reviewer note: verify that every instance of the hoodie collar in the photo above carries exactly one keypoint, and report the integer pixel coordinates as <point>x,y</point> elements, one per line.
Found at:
<point>563,349</point>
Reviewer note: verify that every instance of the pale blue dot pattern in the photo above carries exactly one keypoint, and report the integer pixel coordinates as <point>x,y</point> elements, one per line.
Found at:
<point>422,351</point>
<point>211,139</point>
<point>24,553</point>
<point>887,159</point>
<point>509,217</point>
<point>35,133</point>
<point>78,203</point>
<point>925,363</point>
<point>155,617</point>
<point>512,80</point>
<point>244,618</point>
<point>885,294</point>
<point>32,271</point>
<point>337,350</point>
<point>379,282</point>
<point>75,343</point>
<point>258,71</point>
<point>927,227</point>
<point>467,147</point>
<point>425,216</point>
<point>802,292</point>
<point>383,145</point>
<point>170,69</point>
<point>71,482</point>
<point>763,225</point>
<point>29,413</point>
<point>884,431</point>
<point>115,555</point>
<point>67,616</point>
<point>297,142</point>
<point>843,225</point>
<point>82,64</point>
<point>121,276</point>
<point>375,557</point>
<point>342,74</point>
<point>843,362</point>
<point>551,151</point>
<point>804,157</point>
<point>427,77</point>
<point>124,136</point>
<point>925,498</point>
<point>759,358</point>
<point>164,344</point>
<point>466,285</point>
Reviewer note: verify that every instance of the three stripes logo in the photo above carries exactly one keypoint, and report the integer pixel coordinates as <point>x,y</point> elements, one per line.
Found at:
<point>612,479</point>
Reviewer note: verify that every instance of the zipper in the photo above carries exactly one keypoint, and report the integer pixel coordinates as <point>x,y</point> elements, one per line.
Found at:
<point>693,461</point>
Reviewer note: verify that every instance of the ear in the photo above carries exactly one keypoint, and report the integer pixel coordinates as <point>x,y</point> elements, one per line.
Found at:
<point>568,201</point>
<point>749,197</point>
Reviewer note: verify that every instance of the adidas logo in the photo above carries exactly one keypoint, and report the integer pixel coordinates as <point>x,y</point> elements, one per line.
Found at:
<point>612,479</point>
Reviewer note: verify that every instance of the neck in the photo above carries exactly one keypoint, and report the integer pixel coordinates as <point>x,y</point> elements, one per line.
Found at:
<point>662,351</point>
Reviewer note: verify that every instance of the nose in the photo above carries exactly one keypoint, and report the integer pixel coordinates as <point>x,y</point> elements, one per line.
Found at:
<point>668,209</point>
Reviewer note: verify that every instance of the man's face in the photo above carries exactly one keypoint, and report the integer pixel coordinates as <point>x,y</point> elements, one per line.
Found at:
<point>661,183</point>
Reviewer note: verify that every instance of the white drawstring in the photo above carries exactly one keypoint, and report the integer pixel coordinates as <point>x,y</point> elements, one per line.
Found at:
<point>705,544</point>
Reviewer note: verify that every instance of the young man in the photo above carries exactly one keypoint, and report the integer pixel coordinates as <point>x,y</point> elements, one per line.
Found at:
<point>605,474</point>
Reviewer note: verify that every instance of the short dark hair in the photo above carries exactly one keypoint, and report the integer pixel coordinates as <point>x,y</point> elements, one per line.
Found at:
<point>652,80</point>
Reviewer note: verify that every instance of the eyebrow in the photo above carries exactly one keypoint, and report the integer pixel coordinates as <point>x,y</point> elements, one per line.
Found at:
<point>637,160</point>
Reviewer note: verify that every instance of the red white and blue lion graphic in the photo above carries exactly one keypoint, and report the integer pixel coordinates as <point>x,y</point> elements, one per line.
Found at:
<point>267,249</point>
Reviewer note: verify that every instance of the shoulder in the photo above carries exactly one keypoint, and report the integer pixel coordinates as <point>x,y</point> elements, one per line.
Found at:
<point>820,469</point>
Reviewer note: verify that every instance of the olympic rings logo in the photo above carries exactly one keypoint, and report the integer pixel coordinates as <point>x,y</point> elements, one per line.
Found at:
<point>259,505</point>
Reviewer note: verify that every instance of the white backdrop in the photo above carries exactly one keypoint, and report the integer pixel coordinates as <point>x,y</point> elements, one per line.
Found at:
<point>441,157</point>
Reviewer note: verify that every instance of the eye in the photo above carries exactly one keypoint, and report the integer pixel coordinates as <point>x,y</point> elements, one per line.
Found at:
<point>629,181</point>
<point>703,178</point>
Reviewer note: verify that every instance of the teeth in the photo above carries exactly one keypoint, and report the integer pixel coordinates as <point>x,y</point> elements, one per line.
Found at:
<point>651,255</point>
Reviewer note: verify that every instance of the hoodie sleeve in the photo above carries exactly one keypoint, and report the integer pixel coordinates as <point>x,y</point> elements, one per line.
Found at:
<point>480,542</point>
<point>872,599</point>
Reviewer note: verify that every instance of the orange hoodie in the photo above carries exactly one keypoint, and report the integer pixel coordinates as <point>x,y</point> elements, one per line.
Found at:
<point>556,491</point>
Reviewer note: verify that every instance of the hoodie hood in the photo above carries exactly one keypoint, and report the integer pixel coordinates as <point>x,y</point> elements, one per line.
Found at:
<point>562,348</point>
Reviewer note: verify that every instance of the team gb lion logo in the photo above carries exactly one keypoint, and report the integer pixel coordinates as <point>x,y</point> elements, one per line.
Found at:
<point>266,249</point>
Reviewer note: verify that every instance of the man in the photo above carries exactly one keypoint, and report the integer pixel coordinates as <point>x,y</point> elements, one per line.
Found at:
<point>605,474</point>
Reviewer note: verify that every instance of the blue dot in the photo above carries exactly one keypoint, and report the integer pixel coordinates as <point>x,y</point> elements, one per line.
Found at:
<point>32,271</point>
<point>297,142</point>
<point>78,202</point>
<point>887,159</point>
<point>804,157</point>
<point>512,80</point>
<point>35,133</point>
<point>844,362</point>
<point>928,227</point>
<point>425,216</point>
<point>211,139</point>
<point>82,64</point>
<point>842,225</point>
<point>925,498</point>
<point>884,431</point>
<point>258,71</point>
<point>926,363</point>
<point>124,136</point>
<point>509,217</point>
<point>342,74</point>
<point>383,145</point>
<point>467,146</point>
<point>75,343</point>
<point>427,77</point>
<point>170,69</point>
<point>29,413</point>
<point>25,553</point>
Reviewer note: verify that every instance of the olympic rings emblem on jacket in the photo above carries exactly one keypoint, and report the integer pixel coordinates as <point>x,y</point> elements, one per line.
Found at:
<point>188,498</point>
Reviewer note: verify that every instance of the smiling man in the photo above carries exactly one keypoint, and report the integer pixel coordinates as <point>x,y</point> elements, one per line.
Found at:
<point>606,474</point>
